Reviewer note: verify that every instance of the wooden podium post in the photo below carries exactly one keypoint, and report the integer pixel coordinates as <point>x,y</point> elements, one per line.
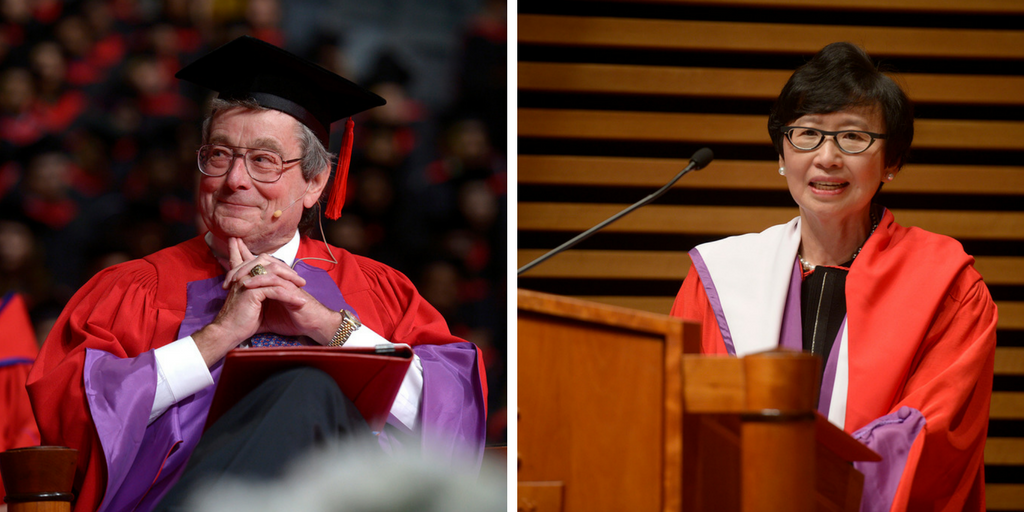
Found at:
<point>39,478</point>
<point>600,404</point>
<point>601,423</point>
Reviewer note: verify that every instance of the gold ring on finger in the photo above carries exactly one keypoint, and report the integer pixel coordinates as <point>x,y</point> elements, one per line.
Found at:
<point>258,270</point>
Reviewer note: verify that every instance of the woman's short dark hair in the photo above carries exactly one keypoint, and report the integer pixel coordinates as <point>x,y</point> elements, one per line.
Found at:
<point>841,76</point>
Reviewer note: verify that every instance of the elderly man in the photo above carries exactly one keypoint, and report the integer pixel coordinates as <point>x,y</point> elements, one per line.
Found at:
<point>127,374</point>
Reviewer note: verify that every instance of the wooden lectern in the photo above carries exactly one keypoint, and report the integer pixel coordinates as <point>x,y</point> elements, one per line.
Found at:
<point>618,412</point>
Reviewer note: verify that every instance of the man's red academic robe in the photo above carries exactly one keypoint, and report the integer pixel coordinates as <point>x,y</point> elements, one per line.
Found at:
<point>111,326</point>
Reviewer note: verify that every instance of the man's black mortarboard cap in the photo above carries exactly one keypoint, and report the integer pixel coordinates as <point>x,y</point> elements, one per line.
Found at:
<point>250,68</point>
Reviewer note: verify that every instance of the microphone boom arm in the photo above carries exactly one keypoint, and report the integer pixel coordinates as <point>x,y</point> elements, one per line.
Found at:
<point>694,165</point>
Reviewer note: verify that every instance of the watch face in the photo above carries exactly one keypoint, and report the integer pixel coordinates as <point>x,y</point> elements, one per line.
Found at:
<point>351,318</point>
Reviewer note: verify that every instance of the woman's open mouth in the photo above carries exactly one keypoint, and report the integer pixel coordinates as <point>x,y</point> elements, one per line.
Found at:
<point>828,186</point>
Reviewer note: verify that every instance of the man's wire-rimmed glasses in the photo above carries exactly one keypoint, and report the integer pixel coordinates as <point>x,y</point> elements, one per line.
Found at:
<point>262,165</point>
<point>850,142</point>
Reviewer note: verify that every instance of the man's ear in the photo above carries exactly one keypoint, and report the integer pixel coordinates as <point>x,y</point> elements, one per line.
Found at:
<point>316,187</point>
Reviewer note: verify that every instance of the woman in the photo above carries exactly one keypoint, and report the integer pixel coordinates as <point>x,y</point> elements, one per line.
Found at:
<point>903,322</point>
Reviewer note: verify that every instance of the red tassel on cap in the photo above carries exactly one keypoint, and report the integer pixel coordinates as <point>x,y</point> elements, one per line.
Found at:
<point>337,197</point>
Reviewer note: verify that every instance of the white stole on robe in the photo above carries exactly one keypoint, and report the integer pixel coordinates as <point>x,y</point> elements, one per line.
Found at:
<point>751,276</point>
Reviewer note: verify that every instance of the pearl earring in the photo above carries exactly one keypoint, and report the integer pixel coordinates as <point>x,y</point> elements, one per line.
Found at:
<point>890,176</point>
<point>782,171</point>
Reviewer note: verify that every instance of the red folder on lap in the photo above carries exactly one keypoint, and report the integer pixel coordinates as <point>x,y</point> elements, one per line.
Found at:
<point>369,376</point>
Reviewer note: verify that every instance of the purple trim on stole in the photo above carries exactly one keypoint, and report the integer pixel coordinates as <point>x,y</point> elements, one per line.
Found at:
<point>320,285</point>
<point>713,298</point>
<point>206,297</point>
<point>144,462</point>
<point>452,419</point>
<point>892,437</point>
<point>452,412</point>
<point>828,378</point>
<point>792,336</point>
<point>203,300</point>
<point>119,392</point>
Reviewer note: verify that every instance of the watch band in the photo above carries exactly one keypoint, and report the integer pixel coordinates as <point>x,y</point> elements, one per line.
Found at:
<point>349,324</point>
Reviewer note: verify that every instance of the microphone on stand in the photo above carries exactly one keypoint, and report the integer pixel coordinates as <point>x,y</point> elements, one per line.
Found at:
<point>698,161</point>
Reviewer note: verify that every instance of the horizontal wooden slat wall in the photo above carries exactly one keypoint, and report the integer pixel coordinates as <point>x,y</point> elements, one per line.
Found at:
<point>615,96</point>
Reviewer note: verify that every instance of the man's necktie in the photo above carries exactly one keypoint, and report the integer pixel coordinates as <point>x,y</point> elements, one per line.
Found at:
<point>269,339</point>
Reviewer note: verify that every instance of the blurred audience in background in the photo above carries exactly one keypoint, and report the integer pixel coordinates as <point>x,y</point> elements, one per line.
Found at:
<point>98,141</point>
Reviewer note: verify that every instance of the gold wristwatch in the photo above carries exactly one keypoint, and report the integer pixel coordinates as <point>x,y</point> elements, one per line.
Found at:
<point>349,324</point>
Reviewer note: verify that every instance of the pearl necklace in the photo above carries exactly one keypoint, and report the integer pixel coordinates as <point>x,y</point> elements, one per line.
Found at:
<point>809,267</point>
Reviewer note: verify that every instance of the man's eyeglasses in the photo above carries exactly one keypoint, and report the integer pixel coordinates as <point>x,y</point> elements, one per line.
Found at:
<point>849,141</point>
<point>263,165</point>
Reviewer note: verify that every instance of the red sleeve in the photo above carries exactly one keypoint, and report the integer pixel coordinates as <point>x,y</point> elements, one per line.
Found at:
<point>951,385</point>
<point>932,436</point>
<point>408,317</point>
<point>692,304</point>
<point>113,312</point>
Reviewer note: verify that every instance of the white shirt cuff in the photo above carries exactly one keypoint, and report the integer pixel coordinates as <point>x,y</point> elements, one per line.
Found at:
<point>406,407</point>
<point>181,372</point>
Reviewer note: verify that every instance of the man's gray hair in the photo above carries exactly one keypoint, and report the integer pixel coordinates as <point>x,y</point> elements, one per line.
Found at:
<point>315,158</point>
